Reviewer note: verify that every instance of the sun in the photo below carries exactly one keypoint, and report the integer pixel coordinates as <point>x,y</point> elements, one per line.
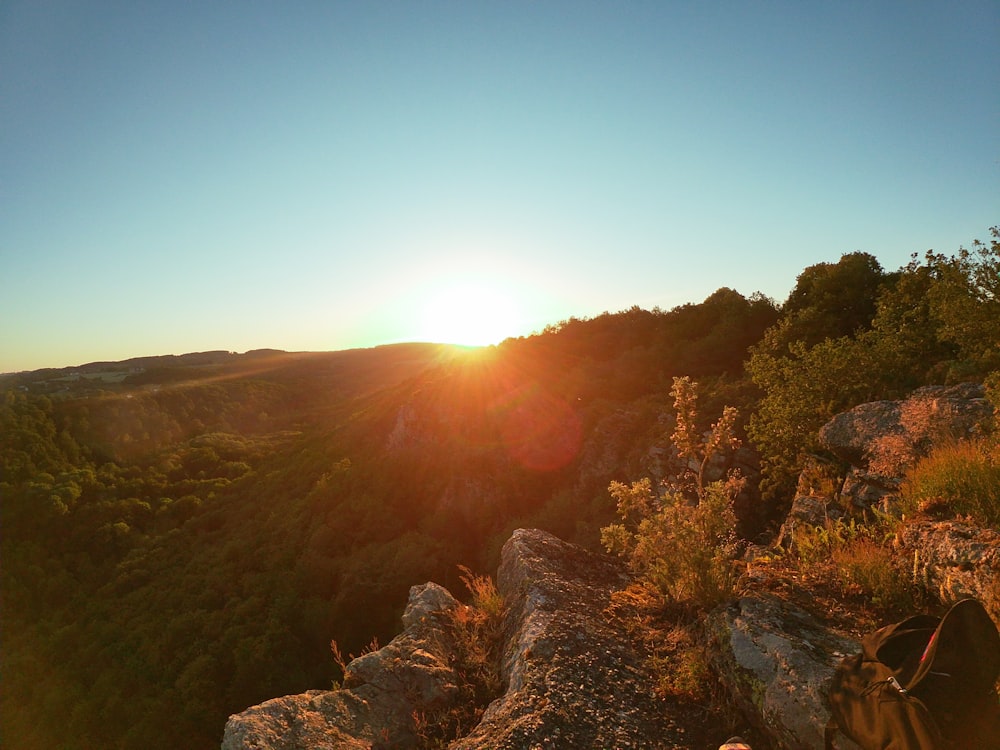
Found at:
<point>469,312</point>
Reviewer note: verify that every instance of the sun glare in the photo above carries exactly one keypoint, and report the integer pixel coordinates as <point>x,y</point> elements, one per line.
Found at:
<point>469,313</point>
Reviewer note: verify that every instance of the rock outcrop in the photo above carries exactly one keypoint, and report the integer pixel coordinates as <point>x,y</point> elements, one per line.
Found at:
<point>851,435</point>
<point>573,679</point>
<point>954,560</point>
<point>382,691</point>
<point>928,414</point>
<point>878,442</point>
<point>881,439</point>
<point>776,661</point>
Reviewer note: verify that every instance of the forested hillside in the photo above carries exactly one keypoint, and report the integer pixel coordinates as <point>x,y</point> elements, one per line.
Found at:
<point>183,536</point>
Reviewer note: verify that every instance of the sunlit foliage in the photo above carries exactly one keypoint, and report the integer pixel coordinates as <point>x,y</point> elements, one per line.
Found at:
<point>934,322</point>
<point>183,536</point>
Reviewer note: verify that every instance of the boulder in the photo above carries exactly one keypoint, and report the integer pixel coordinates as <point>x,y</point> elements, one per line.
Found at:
<point>806,511</point>
<point>880,440</point>
<point>382,692</point>
<point>851,434</point>
<point>954,560</point>
<point>317,719</point>
<point>816,500</point>
<point>866,489</point>
<point>929,415</point>
<point>572,679</point>
<point>777,661</point>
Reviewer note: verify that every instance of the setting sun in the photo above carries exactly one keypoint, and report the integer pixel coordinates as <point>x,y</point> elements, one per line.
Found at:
<point>469,313</point>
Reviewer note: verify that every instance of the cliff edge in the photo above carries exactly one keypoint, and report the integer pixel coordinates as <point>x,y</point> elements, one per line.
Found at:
<point>572,676</point>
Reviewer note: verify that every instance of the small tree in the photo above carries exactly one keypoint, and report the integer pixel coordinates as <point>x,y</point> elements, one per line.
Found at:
<point>693,447</point>
<point>682,546</point>
<point>684,551</point>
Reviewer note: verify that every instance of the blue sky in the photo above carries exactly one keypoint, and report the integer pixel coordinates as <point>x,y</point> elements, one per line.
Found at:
<point>180,176</point>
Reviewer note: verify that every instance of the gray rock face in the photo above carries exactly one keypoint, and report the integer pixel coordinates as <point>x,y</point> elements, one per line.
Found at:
<point>317,719</point>
<point>381,692</point>
<point>954,560</point>
<point>928,414</point>
<point>881,439</point>
<point>777,661</point>
<point>866,489</point>
<point>850,434</point>
<point>573,679</point>
<point>806,510</point>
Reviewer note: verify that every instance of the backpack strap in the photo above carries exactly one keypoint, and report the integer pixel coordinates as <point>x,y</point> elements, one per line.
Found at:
<point>966,641</point>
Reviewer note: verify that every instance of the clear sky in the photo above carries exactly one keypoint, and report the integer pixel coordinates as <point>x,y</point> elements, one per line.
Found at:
<point>183,176</point>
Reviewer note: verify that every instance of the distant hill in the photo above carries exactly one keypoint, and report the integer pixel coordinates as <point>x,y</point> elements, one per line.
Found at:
<point>197,528</point>
<point>184,535</point>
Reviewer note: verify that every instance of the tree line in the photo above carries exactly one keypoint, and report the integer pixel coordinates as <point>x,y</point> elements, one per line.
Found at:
<point>184,544</point>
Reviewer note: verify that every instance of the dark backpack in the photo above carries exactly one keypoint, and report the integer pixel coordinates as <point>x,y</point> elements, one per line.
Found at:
<point>925,683</point>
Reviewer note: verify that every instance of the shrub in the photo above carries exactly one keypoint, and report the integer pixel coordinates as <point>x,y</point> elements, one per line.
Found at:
<point>682,542</point>
<point>963,477</point>
<point>863,560</point>
<point>683,549</point>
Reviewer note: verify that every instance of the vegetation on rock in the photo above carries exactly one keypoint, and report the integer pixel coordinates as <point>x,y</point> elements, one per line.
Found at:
<point>182,536</point>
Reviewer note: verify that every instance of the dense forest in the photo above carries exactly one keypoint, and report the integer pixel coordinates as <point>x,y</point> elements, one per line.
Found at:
<point>184,535</point>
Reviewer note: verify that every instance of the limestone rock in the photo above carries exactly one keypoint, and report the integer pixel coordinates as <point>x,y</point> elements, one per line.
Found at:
<point>816,499</point>
<point>929,414</point>
<point>955,560</point>
<point>807,511</point>
<point>850,434</point>
<point>573,680</point>
<point>381,692</point>
<point>776,661</point>
<point>317,719</point>
<point>426,605</point>
<point>865,489</point>
<point>881,440</point>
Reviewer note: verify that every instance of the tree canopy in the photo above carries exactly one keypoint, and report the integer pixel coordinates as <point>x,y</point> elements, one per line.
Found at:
<point>183,536</point>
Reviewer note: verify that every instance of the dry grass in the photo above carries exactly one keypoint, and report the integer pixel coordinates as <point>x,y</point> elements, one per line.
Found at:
<point>875,570</point>
<point>676,658</point>
<point>960,478</point>
<point>475,631</point>
<point>671,637</point>
<point>342,661</point>
<point>486,597</point>
<point>863,559</point>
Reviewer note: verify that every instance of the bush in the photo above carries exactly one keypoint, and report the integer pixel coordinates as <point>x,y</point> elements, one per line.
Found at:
<point>862,559</point>
<point>683,549</point>
<point>962,478</point>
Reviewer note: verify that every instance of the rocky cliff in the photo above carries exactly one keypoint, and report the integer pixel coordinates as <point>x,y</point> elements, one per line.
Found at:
<point>573,677</point>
